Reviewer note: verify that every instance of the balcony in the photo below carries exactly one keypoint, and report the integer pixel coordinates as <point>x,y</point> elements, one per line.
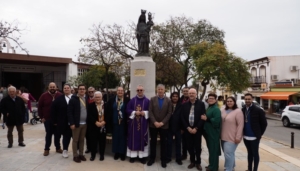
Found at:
<point>258,80</point>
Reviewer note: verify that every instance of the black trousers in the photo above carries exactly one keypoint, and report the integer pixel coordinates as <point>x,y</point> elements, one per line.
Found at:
<point>163,143</point>
<point>97,139</point>
<point>194,146</point>
<point>51,130</point>
<point>253,153</point>
<point>184,144</point>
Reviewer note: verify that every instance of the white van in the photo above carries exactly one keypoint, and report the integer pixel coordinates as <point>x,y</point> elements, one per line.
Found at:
<point>241,104</point>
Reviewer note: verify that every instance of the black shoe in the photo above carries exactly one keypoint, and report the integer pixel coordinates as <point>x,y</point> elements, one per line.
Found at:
<point>131,160</point>
<point>9,146</point>
<point>150,162</point>
<point>92,158</point>
<point>87,151</point>
<point>116,157</point>
<point>22,145</point>
<point>163,164</point>
<point>101,158</point>
<point>143,160</point>
<point>179,162</point>
<point>168,160</point>
<point>183,157</point>
<point>123,157</point>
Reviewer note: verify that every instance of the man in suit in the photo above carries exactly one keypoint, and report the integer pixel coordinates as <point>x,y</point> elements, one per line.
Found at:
<point>59,117</point>
<point>160,110</point>
<point>191,112</point>
<point>13,109</point>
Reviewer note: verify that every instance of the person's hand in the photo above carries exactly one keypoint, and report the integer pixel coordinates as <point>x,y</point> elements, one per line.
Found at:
<point>237,141</point>
<point>137,113</point>
<point>194,131</point>
<point>43,120</point>
<point>98,124</point>
<point>157,124</point>
<point>103,123</point>
<point>142,113</point>
<point>161,124</point>
<point>72,127</point>
<point>204,117</point>
<point>190,130</point>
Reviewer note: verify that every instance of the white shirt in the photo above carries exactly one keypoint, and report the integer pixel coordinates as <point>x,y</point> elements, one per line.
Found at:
<point>68,97</point>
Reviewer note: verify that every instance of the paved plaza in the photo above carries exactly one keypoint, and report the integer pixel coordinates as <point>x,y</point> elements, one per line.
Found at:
<point>274,156</point>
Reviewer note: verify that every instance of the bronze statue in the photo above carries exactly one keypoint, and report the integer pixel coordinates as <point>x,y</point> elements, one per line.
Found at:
<point>142,33</point>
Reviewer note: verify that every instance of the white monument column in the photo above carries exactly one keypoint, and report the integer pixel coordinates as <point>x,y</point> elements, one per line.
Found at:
<point>142,71</point>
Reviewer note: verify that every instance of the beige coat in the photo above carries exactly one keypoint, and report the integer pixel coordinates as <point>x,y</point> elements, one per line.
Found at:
<point>160,115</point>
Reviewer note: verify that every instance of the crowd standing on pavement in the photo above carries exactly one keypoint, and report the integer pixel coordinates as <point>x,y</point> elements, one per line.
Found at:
<point>135,124</point>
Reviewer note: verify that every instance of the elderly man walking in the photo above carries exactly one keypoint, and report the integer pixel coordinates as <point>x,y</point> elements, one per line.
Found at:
<point>13,109</point>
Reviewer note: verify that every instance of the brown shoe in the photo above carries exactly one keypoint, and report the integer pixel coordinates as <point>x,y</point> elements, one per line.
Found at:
<point>46,152</point>
<point>191,165</point>
<point>76,159</point>
<point>59,150</point>
<point>82,158</point>
<point>198,166</point>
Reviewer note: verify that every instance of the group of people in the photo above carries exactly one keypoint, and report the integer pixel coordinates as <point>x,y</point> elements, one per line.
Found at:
<point>136,123</point>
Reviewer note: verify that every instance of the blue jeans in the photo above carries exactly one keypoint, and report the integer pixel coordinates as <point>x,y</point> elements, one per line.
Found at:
<point>253,154</point>
<point>229,154</point>
<point>26,119</point>
<point>177,135</point>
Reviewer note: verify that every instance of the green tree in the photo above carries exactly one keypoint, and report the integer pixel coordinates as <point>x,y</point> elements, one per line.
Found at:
<point>174,37</point>
<point>219,68</point>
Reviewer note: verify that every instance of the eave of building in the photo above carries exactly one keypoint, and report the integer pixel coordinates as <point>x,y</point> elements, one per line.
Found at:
<point>33,59</point>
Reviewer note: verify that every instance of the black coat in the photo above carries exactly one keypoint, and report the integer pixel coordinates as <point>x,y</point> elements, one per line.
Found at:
<point>199,110</point>
<point>59,113</point>
<point>258,120</point>
<point>13,111</point>
<point>175,119</point>
<point>92,117</point>
<point>74,111</point>
<point>109,113</point>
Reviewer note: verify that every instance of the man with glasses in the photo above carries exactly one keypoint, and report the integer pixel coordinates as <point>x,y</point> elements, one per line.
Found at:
<point>183,99</point>
<point>138,141</point>
<point>191,113</point>
<point>77,115</point>
<point>212,132</point>
<point>160,110</point>
<point>89,99</point>
<point>254,127</point>
<point>44,105</point>
<point>59,117</point>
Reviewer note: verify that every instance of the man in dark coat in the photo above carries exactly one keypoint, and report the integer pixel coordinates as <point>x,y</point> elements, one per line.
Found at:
<point>59,117</point>
<point>254,127</point>
<point>174,129</point>
<point>13,109</point>
<point>183,99</point>
<point>117,123</point>
<point>191,113</point>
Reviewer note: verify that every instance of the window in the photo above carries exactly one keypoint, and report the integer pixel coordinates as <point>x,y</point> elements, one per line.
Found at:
<point>295,109</point>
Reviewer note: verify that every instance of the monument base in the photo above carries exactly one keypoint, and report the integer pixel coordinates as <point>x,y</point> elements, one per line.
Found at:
<point>142,72</point>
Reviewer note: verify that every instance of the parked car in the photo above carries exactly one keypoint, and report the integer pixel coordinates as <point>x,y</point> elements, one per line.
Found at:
<point>241,104</point>
<point>291,115</point>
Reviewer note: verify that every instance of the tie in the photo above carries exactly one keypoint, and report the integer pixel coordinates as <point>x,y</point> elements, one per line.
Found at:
<point>191,118</point>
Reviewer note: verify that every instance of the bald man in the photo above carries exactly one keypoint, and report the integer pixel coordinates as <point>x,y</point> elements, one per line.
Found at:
<point>44,105</point>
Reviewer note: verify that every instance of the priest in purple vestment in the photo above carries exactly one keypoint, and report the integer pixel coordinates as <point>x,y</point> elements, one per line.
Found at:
<point>138,138</point>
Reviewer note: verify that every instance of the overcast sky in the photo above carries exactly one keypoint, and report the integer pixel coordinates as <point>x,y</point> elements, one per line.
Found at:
<point>253,28</point>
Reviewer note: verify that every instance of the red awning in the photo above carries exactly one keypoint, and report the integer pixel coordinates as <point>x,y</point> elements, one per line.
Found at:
<point>277,95</point>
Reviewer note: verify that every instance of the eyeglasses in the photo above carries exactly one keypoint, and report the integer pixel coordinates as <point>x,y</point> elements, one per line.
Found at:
<point>91,91</point>
<point>211,99</point>
<point>139,90</point>
<point>81,89</point>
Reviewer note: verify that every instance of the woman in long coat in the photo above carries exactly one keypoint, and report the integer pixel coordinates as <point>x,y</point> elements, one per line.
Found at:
<point>97,126</point>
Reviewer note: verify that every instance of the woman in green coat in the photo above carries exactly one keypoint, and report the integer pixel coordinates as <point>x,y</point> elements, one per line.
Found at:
<point>212,131</point>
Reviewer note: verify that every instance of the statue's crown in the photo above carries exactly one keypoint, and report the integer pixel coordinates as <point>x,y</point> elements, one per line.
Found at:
<point>143,11</point>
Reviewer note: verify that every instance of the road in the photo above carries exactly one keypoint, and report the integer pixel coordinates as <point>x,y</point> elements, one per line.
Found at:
<point>278,132</point>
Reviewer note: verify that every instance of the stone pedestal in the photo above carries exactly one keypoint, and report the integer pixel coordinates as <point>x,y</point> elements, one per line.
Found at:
<point>142,71</point>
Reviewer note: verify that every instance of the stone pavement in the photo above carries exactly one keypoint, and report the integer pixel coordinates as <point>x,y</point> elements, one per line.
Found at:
<point>274,156</point>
